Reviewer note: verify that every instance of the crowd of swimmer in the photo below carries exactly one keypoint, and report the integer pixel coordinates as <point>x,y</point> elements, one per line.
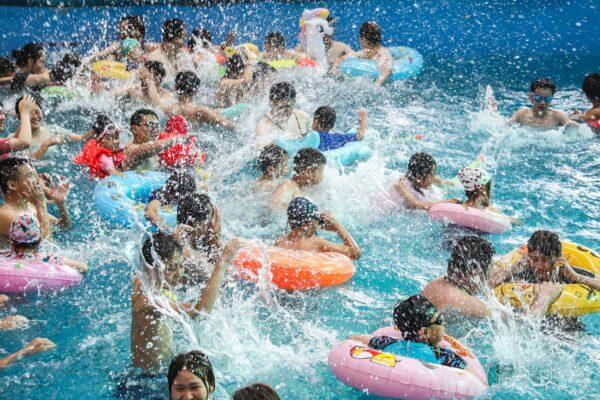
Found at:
<point>167,76</point>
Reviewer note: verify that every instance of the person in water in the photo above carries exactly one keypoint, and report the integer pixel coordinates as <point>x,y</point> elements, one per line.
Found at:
<point>263,77</point>
<point>187,85</point>
<point>179,185</point>
<point>256,391</point>
<point>153,300</point>
<point>8,69</point>
<point>544,263</point>
<point>273,164</point>
<point>371,48</point>
<point>275,48</point>
<point>24,193</point>
<point>282,119</point>
<point>309,165</point>
<point>335,50</point>
<point>324,121</point>
<point>540,115</point>
<point>305,220</point>
<point>173,52</point>
<point>151,71</point>
<point>25,237</point>
<point>235,83</point>
<point>591,88</point>
<point>477,183</point>
<point>467,274</point>
<point>35,346</point>
<point>31,67</point>
<point>191,376</point>
<point>420,176</point>
<point>130,27</point>
<point>21,140</point>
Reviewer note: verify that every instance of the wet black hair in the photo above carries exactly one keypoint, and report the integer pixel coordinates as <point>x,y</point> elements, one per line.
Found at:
<point>308,158</point>
<point>187,83</point>
<point>9,171</point>
<point>180,185</point>
<point>7,67</point>
<point>591,86</point>
<point>137,23</point>
<point>256,391</point>
<point>302,211</point>
<point>194,209</point>
<point>136,117</point>
<point>282,91</point>
<point>471,256</point>
<point>413,314</point>
<point>197,363</point>
<point>545,242</point>
<point>172,29</point>
<point>162,245</point>
<point>101,121</point>
<point>234,67</point>
<point>261,71</point>
<point>543,83</point>
<point>157,69</point>
<point>66,68</point>
<point>30,51</point>
<point>201,37</point>
<point>420,166</point>
<point>371,32</point>
<point>275,39</point>
<point>271,156</point>
<point>325,117</point>
<point>36,97</point>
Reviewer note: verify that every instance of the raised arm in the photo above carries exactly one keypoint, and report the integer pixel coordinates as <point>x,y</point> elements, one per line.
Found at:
<point>362,124</point>
<point>22,139</point>
<point>410,198</point>
<point>349,248</point>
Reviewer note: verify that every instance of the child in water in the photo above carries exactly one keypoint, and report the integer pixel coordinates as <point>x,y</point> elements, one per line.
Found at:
<point>324,121</point>
<point>541,116</point>
<point>273,164</point>
<point>370,40</point>
<point>305,220</point>
<point>423,328</point>
<point>591,88</point>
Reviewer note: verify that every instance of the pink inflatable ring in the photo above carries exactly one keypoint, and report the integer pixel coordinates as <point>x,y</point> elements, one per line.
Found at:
<point>387,375</point>
<point>481,220</point>
<point>17,276</point>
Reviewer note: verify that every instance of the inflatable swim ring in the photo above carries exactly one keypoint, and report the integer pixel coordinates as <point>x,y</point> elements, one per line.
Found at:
<point>111,69</point>
<point>234,112</point>
<point>349,154</point>
<point>58,93</point>
<point>481,220</point>
<point>408,63</point>
<point>388,375</point>
<point>294,269</point>
<point>122,200</point>
<point>18,276</point>
<point>574,301</point>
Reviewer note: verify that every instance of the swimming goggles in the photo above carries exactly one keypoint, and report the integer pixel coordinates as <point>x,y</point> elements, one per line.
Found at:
<point>538,98</point>
<point>109,129</point>
<point>438,321</point>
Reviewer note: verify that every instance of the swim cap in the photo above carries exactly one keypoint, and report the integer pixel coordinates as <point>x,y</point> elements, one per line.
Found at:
<point>25,230</point>
<point>127,45</point>
<point>413,314</point>
<point>302,211</point>
<point>473,178</point>
<point>197,363</point>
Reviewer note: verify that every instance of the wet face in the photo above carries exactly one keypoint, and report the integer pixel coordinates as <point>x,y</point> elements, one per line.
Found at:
<point>188,386</point>
<point>541,264</point>
<point>314,176</point>
<point>434,333</point>
<point>174,271</point>
<point>283,108</point>
<point>541,98</point>
<point>27,182</point>
<point>37,66</point>
<point>147,129</point>
<point>111,141</point>
<point>36,118</point>
<point>428,180</point>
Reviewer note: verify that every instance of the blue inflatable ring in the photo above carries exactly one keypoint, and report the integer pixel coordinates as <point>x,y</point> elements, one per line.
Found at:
<point>408,63</point>
<point>121,200</point>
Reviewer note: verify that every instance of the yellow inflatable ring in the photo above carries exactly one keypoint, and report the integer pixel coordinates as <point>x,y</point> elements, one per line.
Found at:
<point>111,69</point>
<point>574,301</point>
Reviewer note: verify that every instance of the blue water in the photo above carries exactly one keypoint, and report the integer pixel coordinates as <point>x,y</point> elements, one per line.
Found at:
<point>550,180</point>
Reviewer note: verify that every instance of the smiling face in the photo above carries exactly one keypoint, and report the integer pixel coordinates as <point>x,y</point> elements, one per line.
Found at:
<point>541,265</point>
<point>111,140</point>
<point>541,98</point>
<point>27,181</point>
<point>147,129</point>
<point>36,117</point>
<point>188,386</point>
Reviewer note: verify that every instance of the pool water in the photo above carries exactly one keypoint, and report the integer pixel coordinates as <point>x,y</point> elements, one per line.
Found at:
<point>548,179</point>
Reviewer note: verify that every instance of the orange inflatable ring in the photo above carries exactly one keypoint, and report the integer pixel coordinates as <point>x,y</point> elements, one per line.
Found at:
<point>295,269</point>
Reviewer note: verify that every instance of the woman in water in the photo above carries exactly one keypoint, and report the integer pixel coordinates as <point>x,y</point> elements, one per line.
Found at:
<point>191,376</point>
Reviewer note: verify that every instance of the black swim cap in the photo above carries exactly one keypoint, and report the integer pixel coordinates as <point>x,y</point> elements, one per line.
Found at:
<point>413,314</point>
<point>302,211</point>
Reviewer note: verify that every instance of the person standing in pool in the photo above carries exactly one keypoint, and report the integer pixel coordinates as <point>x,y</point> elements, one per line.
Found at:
<point>591,88</point>
<point>21,140</point>
<point>467,274</point>
<point>172,52</point>
<point>153,300</point>
<point>130,27</point>
<point>541,116</point>
<point>31,67</point>
<point>305,220</point>
<point>371,48</point>
<point>235,83</point>
<point>309,165</point>
<point>275,48</point>
<point>152,71</point>
<point>191,376</point>
<point>282,119</point>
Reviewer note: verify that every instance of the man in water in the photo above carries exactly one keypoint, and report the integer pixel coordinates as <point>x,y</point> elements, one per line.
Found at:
<point>172,52</point>
<point>371,48</point>
<point>541,116</point>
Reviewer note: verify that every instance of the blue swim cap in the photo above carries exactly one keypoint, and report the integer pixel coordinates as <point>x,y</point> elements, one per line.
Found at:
<point>302,211</point>
<point>128,44</point>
